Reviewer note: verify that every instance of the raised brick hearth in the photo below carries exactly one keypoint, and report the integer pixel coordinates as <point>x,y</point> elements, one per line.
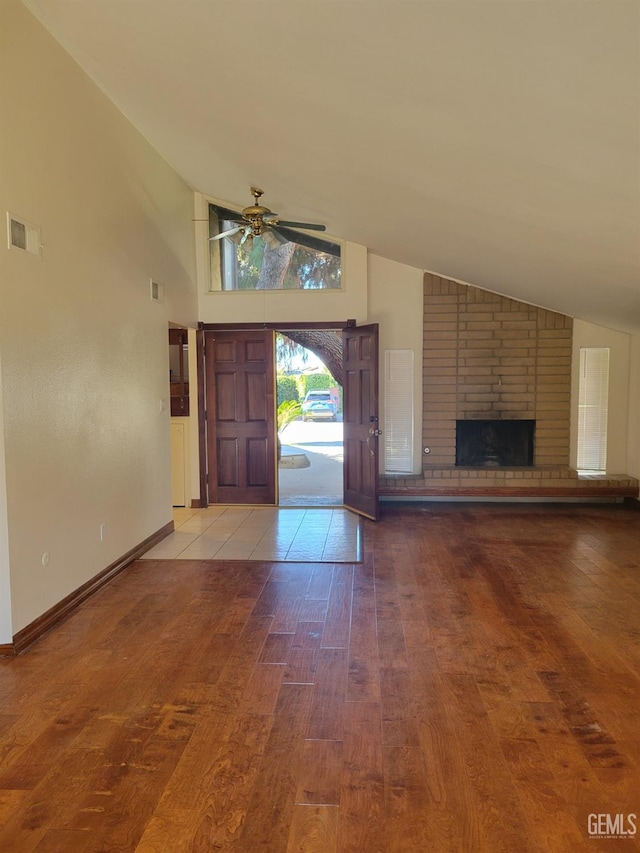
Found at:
<point>508,483</point>
<point>487,357</point>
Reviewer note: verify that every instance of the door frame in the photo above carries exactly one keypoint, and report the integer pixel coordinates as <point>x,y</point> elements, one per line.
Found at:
<point>336,325</point>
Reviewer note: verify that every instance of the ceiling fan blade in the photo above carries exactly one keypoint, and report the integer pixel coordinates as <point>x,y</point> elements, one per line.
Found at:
<point>280,237</point>
<point>308,226</point>
<point>228,233</point>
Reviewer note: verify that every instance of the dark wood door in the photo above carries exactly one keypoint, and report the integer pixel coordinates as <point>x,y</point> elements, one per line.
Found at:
<point>361,433</point>
<point>240,417</point>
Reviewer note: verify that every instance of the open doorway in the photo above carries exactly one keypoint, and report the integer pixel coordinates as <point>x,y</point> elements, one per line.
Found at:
<point>237,428</point>
<point>310,418</point>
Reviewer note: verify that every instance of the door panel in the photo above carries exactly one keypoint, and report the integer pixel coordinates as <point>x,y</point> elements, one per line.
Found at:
<point>240,406</point>
<point>227,452</point>
<point>360,346</point>
<point>256,396</point>
<point>226,397</point>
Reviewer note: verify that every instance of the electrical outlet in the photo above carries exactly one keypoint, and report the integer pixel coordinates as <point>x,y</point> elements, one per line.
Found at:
<point>45,558</point>
<point>103,532</point>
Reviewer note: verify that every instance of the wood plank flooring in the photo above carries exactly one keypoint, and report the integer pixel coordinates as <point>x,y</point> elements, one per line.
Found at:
<point>473,685</point>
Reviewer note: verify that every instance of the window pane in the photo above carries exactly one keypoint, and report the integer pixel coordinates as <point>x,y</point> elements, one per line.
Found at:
<point>283,260</point>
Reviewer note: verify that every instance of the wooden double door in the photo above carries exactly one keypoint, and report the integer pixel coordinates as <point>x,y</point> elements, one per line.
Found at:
<point>240,417</point>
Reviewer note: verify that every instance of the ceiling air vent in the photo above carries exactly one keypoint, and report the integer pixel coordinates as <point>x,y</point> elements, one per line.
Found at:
<point>23,235</point>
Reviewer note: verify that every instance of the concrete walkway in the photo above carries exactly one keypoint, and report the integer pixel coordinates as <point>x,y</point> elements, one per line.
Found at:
<point>319,484</point>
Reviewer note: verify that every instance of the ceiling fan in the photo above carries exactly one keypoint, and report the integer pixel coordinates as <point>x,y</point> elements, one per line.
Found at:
<point>258,221</point>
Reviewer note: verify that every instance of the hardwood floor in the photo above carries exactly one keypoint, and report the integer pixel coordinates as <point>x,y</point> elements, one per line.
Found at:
<point>471,686</point>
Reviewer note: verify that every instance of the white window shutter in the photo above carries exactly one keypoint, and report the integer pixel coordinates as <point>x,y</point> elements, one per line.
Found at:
<point>398,408</point>
<point>593,399</point>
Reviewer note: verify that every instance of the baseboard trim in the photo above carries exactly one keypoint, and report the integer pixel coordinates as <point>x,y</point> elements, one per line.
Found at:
<point>196,503</point>
<point>43,624</point>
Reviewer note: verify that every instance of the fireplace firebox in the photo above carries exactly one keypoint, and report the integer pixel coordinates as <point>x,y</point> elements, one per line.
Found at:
<point>494,443</point>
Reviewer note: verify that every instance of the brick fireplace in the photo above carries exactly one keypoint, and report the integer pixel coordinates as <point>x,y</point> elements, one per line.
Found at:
<point>487,358</point>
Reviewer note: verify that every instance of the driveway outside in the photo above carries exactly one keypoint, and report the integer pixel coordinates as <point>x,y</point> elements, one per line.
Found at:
<point>321,483</point>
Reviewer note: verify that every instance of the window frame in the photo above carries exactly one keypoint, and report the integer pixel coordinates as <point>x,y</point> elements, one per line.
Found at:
<point>219,248</point>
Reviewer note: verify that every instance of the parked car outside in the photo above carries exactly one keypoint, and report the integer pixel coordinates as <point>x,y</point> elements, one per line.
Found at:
<point>319,406</point>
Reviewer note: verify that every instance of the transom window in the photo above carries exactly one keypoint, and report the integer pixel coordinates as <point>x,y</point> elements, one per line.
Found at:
<point>304,262</point>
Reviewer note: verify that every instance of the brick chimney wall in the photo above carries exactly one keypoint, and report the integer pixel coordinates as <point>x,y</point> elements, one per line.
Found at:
<point>486,356</point>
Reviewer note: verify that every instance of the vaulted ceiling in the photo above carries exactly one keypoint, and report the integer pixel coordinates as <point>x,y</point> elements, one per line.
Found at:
<point>492,141</point>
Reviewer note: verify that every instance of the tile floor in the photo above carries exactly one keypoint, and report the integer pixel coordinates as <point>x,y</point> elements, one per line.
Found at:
<point>262,533</point>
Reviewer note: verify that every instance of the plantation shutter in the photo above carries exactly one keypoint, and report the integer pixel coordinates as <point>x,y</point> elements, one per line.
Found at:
<point>593,408</point>
<point>398,408</point>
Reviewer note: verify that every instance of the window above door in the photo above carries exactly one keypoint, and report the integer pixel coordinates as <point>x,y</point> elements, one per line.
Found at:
<point>262,263</point>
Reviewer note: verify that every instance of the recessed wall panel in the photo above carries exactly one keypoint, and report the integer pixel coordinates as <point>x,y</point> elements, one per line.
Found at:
<point>255,351</point>
<point>352,397</point>
<point>228,462</point>
<point>226,397</point>
<point>365,397</point>
<point>225,351</point>
<point>257,455</point>
<point>352,353</point>
<point>256,397</point>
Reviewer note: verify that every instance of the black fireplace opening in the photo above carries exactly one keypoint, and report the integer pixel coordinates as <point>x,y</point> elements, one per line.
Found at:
<point>494,444</point>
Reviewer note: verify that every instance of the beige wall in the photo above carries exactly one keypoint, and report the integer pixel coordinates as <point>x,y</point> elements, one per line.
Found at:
<point>84,350</point>
<point>588,335</point>
<point>395,302</point>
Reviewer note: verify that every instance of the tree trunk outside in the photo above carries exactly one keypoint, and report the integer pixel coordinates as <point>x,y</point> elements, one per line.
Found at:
<point>324,343</point>
<point>274,266</point>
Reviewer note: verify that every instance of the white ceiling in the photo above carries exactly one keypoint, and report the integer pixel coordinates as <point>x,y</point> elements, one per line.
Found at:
<point>493,142</point>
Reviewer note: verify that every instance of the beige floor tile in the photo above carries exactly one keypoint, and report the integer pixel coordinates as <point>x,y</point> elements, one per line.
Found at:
<point>262,533</point>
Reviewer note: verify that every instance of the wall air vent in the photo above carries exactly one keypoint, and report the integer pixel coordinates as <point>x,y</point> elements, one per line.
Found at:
<point>23,235</point>
<point>156,291</point>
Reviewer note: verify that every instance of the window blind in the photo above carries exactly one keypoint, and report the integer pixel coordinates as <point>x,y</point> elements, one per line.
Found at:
<point>398,409</point>
<point>593,398</point>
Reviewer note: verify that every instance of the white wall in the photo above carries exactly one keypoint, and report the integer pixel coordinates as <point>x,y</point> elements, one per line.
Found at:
<point>633,450</point>
<point>588,335</point>
<point>396,303</point>
<point>84,350</point>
